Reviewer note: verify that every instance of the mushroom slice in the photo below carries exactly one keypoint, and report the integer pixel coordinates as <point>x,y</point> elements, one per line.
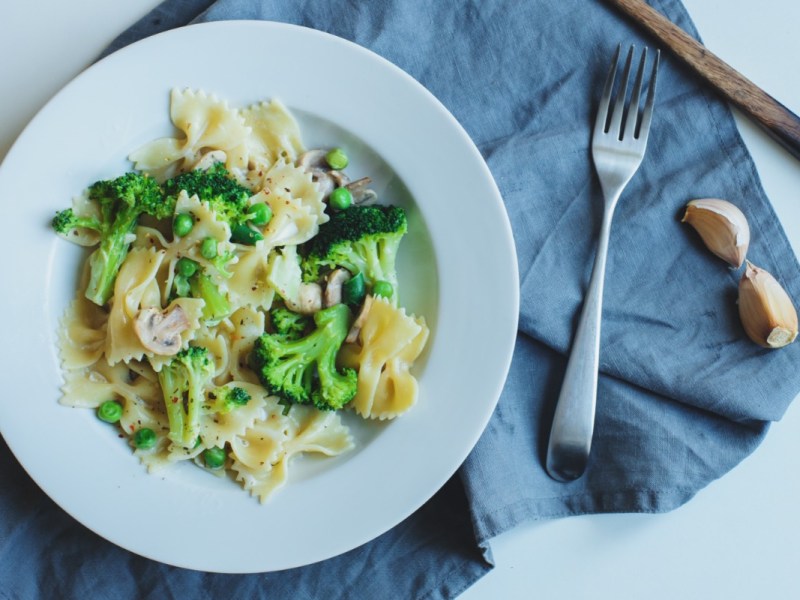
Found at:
<point>324,182</point>
<point>327,179</point>
<point>339,179</point>
<point>313,159</point>
<point>333,286</point>
<point>160,332</point>
<point>355,329</point>
<point>309,299</point>
<point>362,195</point>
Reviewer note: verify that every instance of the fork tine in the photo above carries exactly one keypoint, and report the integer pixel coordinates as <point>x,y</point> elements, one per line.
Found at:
<point>605,99</point>
<point>633,109</point>
<point>647,114</point>
<point>619,105</point>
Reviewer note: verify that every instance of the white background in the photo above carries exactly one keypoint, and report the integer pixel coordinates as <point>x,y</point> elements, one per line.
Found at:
<point>739,538</point>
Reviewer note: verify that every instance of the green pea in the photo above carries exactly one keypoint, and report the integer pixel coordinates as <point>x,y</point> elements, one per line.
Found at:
<point>144,438</point>
<point>383,288</point>
<point>354,290</point>
<point>109,411</point>
<point>186,267</point>
<point>340,198</point>
<point>214,457</point>
<point>208,248</point>
<point>259,214</point>
<point>243,234</point>
<point>337,159</point>
<point>182,224</point>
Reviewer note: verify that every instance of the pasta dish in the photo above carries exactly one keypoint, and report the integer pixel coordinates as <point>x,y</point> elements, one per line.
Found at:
<point>239,294</point>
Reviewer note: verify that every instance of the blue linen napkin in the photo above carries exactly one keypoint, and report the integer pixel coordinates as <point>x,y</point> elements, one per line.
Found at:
<point>683,395</point>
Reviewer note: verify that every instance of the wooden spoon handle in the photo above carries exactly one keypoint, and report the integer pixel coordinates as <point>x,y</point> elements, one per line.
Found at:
<point>778,121</point>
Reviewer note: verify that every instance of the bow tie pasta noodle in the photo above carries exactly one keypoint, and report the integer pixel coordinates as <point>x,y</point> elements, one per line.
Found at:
<point>388,344</point>
<point>210,324</point>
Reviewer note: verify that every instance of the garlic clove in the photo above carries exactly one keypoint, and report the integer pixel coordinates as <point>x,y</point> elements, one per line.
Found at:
<point>767,313</point>
<point>722,226</point>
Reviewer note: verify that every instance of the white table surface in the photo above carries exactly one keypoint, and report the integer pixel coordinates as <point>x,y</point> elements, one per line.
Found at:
<point>738,538</point>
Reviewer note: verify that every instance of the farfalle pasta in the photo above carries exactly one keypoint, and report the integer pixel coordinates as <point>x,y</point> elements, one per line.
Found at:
<point>203,121</point>
<point>275,134</point>
<point>243,296</point>
<point>388,344</point>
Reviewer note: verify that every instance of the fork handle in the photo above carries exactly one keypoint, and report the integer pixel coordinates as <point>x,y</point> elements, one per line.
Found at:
<point>573,422</point>
<point>777,120</point>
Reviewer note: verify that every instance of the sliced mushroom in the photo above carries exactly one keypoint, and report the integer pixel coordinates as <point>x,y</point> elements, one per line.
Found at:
<point>309,299</point>
<point>327,179</point>
<point>314,162</point>
<point>313,159</point>
<point>160,332</point>
<point>355,329</point>
<point>324,183</point>
<point>362,195</point>
<point>333,286</point>
<point>339,179</point>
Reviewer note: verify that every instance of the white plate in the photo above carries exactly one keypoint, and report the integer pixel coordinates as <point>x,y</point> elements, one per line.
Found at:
<point>458,268</point>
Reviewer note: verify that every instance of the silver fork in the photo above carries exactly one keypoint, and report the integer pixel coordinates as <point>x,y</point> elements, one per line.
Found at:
<point>618,144</point>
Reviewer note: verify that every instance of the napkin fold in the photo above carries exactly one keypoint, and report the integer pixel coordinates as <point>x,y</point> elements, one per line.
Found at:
<point>683,396</point>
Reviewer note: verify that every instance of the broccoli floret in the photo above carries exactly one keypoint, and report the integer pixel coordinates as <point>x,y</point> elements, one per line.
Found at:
<point>228,199</point>
<point>217,306</point>
<point>215,186</point>
<point>191,280</point>
<point>225,399</point>
<point>183,381</point>
<point>66,221</point>
<point>304,371</point>
<point>220,263</point>
<point>362,239</point>
<point>121,202</point>
<point>290,325</point>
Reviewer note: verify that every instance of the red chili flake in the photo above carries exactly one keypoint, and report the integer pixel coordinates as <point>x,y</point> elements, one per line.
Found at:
<point>132,427</point>
<point>174,400</point>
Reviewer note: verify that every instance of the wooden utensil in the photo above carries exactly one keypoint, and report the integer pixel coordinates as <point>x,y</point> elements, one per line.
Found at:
<point>777,120</point>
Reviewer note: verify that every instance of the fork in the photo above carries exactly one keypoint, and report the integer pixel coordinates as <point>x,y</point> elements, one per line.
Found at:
<point>618,144</point>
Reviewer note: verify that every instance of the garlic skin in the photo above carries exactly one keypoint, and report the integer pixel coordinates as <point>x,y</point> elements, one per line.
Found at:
<point>767,313</point>
<point>722,226</point>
